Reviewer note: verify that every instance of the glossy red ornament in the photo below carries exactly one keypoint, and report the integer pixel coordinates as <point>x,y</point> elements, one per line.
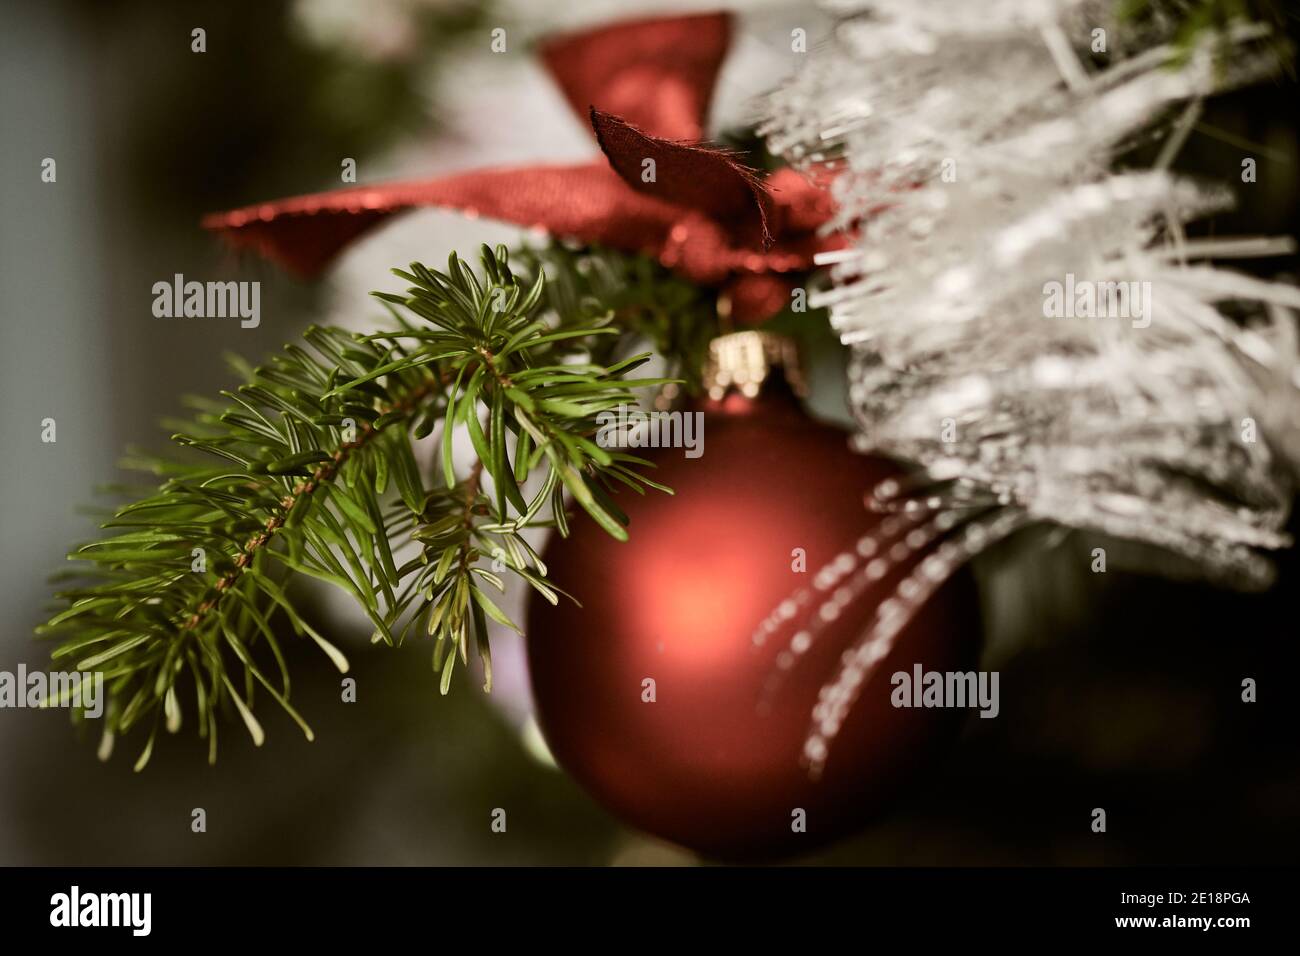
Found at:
<point>712,763</point>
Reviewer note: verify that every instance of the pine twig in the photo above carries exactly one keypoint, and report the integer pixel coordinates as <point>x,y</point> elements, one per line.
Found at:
<point>308,470</point>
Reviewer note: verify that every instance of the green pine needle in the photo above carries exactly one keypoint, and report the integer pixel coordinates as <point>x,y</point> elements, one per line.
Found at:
<point>309,469</point>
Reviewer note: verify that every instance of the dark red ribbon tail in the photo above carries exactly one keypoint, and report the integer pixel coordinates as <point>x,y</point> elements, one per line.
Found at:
<point>702,178</point>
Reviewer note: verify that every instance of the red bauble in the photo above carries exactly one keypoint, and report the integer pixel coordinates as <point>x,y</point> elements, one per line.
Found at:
<point>714,762</point>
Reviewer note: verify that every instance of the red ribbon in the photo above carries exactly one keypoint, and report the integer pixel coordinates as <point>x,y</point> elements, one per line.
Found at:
<point>646,87</point>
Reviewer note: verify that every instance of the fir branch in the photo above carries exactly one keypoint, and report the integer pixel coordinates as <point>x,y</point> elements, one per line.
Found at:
<point>635,295</point>
<point>309,469</point>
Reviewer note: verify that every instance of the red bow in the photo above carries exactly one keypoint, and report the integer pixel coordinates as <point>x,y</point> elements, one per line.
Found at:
<point>646,86</point>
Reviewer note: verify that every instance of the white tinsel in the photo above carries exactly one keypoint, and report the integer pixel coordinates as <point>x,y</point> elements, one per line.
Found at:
<point>975,156</point>
<point>975,148</point>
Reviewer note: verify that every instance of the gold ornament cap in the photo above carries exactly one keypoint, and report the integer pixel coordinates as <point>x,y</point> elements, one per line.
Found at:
<point>745,360</point>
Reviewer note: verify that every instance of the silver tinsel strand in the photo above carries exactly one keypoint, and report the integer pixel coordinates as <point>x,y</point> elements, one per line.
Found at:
<point>1029,326</point>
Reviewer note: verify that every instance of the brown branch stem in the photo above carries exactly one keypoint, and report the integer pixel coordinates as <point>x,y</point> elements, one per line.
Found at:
<point>325,473</point>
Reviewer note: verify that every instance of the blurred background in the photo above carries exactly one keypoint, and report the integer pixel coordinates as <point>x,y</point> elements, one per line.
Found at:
<point>1119,690</point>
